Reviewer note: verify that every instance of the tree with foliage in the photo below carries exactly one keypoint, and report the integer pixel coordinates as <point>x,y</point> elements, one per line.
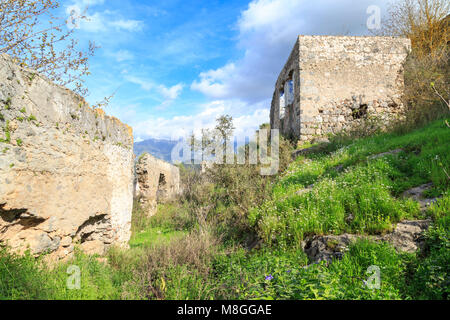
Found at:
<point>224,129</point>
<point>36,38</point>
<point>205,144</point>
<point>427,71</point>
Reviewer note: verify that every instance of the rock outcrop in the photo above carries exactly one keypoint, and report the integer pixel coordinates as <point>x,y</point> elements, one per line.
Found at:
<point>156,181</point>
<point>66,170</point>
<point>418,194</point>
<point>406,237</point>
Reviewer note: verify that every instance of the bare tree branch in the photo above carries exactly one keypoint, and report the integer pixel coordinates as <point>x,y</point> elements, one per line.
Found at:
<point>33,36</point>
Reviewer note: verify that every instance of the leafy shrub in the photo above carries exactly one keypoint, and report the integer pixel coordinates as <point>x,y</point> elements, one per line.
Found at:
<point>425,76</point>
<point>223,195</point>
<point>240,275</point>
<point>427,24</point>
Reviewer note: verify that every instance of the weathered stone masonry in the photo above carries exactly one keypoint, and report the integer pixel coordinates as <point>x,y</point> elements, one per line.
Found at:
<point>66,171</point>
<point>330,84</point>
<point>156,181</point>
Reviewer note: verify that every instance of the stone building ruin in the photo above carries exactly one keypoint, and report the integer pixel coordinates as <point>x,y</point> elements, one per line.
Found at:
<point>66,170</point>
<point>156,181</point>
<point>332,83</point>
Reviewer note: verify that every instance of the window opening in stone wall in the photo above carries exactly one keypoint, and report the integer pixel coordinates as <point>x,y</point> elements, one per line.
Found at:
<point>282,104</point>
<point>360,112</point>
<point>162,180</point>
<point>289,89</point>
<point>162,187</point>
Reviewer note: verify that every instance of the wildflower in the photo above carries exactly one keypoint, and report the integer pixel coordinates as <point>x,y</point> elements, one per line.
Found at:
<point>269,277</point>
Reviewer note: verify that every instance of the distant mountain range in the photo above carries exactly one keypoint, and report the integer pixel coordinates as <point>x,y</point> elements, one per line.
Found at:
<point>158,148</point>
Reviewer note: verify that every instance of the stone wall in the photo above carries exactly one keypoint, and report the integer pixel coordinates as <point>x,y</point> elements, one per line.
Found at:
<point>156,181</point>
<point>66,170</point>
<point>330,84</point>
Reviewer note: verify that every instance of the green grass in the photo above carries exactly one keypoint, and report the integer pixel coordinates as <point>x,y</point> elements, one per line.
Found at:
<point>362,197</point>
<point>24,277</point>
<point>284,274</point>
<point>236,274</point>
<point>155,236</point>
<point>7,138</point>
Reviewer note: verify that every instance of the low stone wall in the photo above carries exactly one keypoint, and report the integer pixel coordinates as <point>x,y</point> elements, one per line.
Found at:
<point>66,170</point>
<point>156,181</point>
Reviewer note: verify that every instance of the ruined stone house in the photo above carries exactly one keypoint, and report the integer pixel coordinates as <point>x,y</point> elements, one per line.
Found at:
<point>66,170</point>
<point>156,181</point>
<point>332,83</point>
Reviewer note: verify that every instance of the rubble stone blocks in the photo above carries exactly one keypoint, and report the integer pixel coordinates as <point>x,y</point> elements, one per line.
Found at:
<point>66,170</point>
<point>156,181</point>
<point>331,83</point>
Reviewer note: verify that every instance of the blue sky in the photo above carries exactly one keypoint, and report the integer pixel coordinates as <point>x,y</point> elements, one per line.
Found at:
<point>177,65</point>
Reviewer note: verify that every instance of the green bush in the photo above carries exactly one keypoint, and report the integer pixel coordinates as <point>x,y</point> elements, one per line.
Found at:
<point>240,275</point>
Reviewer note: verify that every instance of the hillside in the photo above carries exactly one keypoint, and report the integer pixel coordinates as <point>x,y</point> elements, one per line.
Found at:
<point>360,186</point>
<point>159,148</point>
<point>353,201</point>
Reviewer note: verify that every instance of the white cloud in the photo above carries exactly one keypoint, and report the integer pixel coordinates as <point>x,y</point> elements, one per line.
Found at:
<point>268,30</point>
<point>171,93</point>
<point>144,84</point>
<point>182,126</point>
<point>122,55</point>
<point>129,25</point>
<point>99,21</point>
<point>168,94</point>
<point>214,83</point>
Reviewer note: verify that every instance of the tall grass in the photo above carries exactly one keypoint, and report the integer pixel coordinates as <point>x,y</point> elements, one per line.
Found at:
<point>27,278</point>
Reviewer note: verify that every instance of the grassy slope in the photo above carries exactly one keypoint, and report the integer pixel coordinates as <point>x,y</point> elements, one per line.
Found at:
<point>364,195</point>
<point>191,266</point>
